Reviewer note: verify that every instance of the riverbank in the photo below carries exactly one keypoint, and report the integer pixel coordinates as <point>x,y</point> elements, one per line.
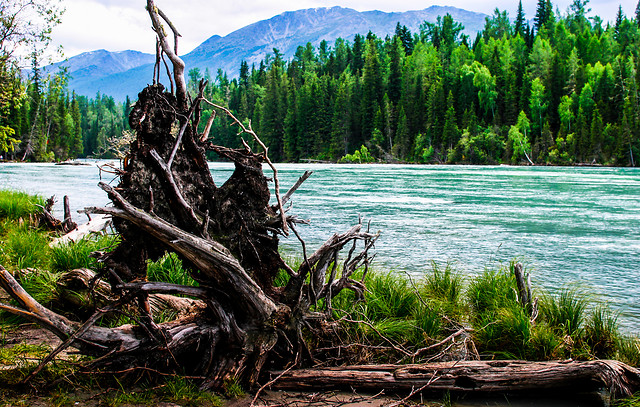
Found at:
<point>443,316</point>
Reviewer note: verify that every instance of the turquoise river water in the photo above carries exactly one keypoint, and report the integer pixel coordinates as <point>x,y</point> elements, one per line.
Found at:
<point>571,226</point>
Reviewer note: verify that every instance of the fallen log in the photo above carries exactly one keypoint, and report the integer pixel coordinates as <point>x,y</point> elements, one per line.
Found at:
<point>97,224</point>
<point>81,292</point>
<point>480,377</point>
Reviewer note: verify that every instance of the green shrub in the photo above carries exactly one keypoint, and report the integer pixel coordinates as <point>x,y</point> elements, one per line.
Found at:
<point>361,156</point>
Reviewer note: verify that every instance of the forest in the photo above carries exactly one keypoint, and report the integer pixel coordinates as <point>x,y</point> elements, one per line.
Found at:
<point>562,91</point>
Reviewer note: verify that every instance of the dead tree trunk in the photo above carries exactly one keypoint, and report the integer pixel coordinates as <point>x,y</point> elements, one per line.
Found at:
<point>227,236</point>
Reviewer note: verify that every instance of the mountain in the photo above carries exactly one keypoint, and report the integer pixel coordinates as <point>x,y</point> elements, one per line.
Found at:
<point>89,68</point>
<point>126,73</point>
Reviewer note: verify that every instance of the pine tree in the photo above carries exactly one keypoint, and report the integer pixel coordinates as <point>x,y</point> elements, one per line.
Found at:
<point>638,13</point>
<point>618,24</point>
<point>394,81</point>
<point>372,89</point>
<point>519,27</point>
<point>541,15</point>
<point>450,131</point>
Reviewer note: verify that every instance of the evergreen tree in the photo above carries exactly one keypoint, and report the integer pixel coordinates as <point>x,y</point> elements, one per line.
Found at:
<point>372,88</point>
<point>519,27</point>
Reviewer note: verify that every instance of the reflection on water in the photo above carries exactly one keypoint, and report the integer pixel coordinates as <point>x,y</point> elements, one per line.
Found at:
<point>569,225</point>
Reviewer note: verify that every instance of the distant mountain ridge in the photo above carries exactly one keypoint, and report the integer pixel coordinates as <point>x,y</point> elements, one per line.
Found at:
<point>119,74</point>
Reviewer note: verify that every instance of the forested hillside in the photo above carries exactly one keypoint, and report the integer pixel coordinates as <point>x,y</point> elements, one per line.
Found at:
<point>564,91</point>
<point>52,124</point>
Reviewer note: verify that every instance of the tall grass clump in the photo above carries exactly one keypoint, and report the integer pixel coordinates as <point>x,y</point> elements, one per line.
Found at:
<point>443,289</point>
<point>491,291</point>
<point>601,333</point>
<point>40,284</point>
<point>628,350</point>
<point>24,247</point>
<point>565,312</point>
<point>73,255</point>
<point>169,269</point>
<point>502,326</point>
<point>388,296</point>
<point>15,204</point>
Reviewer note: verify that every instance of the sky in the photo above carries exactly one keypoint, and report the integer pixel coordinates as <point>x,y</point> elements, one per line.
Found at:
<point>118,25</point>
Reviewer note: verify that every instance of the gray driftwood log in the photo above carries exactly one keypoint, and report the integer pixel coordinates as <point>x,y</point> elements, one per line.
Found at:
<point>483,377</point>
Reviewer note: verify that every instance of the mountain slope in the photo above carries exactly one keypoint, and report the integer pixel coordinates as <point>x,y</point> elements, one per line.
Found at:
<point>122,74</point>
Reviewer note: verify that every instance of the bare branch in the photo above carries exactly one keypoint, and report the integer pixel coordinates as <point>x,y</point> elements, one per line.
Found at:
<point>178,63</point>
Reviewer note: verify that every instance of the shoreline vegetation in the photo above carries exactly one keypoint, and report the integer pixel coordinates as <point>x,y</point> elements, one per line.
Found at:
<point>442,315</point>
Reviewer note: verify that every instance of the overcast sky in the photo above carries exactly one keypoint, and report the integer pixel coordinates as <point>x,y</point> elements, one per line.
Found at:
<point>118,25</point>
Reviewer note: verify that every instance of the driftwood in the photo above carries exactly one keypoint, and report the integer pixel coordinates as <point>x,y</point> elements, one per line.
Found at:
<point>51,222</point>
<point>483,377</point>
<point>227,236</point>
<point>81,291</point>
<point>97,224</point>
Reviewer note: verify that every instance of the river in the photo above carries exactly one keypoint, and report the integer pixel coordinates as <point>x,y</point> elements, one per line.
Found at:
<point>571,226</point>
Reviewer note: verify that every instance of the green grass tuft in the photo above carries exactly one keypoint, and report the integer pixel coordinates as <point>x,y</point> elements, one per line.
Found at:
<point>24,247</point>
<point>601,333</point>
<point>565,312</point>
<point>169,270</point>
<point>15,205</point>
<point>74,255</point>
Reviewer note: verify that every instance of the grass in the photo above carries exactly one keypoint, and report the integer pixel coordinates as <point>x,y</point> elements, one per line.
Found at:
<point>566,311</point>
<point>396,310</point>
<point>15,205</point>
<point>74,255</point>
<point>566,327</point>
<point>24,247</point>
<point>169,269</point>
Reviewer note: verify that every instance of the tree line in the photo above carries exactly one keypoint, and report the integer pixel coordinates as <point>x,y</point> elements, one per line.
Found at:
<point>50,123</point>
<point>562,91</point>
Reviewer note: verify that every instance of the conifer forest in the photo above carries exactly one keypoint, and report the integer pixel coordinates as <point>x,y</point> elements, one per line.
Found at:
<point>562,91</point>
